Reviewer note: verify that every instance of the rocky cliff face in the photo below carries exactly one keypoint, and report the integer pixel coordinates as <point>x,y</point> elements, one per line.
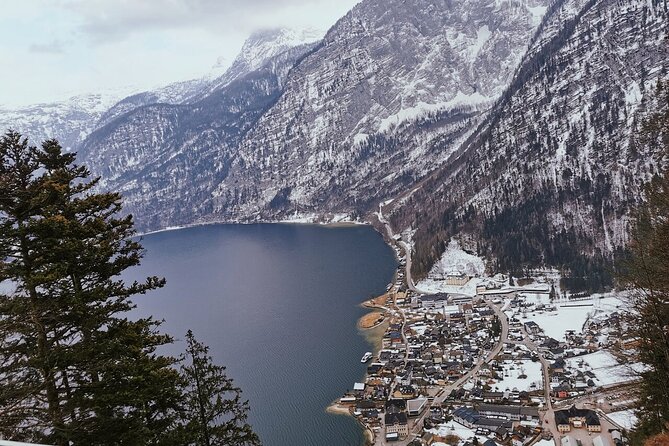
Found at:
<point>257,50</point>
<point>165,158</point>
<point>71,121</point>
<point>383,100</point>
<point>555,169</point>
<point>386,97</point>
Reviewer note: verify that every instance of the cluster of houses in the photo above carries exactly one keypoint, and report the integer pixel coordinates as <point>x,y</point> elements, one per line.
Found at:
<point>490,385</point>
<point>598,333</point>
<point>566,383</point>
<point>440,340</point>
<point>440,337</point>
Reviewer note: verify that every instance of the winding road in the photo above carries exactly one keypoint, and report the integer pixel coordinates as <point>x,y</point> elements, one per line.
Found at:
<point>402,244</point>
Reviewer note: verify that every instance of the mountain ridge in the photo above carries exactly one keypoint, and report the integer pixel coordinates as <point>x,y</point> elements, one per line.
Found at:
<point>585,151</point>
<point>146,153</point>
<point>354,100</point>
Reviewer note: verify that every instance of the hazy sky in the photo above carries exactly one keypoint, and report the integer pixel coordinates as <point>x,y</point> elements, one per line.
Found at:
<point>54,49</point>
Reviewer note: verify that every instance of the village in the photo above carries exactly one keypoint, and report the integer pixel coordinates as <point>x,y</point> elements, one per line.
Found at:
<point>484,361</point>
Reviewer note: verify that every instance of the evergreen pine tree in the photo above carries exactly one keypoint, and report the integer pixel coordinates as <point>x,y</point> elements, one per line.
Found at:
<point>215,414</point>
<point>75,369</point>
<point>648,323</point>
<point>647,274</point>
<point>29,395</point>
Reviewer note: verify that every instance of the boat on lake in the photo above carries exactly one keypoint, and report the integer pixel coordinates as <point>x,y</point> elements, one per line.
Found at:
<point>366,357</point>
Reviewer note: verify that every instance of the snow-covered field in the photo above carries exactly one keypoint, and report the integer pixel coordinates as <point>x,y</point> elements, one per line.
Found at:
<point>556,323</point>
<point>569,317</point>
<point>605,366</point>
<point>453,261</point>
<point>456,260</point>
<point>513,370</point>
<point>453,428</point>
<point>625,418</point>
<point>419,328</point>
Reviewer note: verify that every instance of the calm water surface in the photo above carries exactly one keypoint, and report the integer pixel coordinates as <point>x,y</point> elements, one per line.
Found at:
<point>278,305</point>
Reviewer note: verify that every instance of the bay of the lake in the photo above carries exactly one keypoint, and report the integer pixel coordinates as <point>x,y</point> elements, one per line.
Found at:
<point>278,306</point>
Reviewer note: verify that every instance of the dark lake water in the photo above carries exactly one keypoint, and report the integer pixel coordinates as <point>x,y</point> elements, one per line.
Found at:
<point>278,305</point>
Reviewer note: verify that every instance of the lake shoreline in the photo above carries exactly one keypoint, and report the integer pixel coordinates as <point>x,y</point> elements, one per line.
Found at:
<point>319,272</point>
<point>374,336</point>
<point>333,224</point>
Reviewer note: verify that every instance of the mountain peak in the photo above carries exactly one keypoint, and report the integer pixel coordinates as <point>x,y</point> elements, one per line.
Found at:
<point>267,43</point>
<point>258,48</point>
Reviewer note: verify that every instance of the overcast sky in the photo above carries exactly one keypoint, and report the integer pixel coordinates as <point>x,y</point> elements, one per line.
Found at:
<point>54,49</point>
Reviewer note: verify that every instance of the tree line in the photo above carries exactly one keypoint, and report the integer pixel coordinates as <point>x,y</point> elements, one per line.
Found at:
<point>75,367</point>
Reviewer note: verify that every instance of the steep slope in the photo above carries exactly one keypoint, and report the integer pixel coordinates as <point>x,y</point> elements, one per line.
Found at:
<point>339,138</point>
<point>165,158</point>
<point>72,120</point>
<point>175,93</point>
<point>550,177</point>
<point>260,47</point>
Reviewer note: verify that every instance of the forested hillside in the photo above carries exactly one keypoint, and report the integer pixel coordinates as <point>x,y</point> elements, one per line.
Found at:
<point>551,176</point>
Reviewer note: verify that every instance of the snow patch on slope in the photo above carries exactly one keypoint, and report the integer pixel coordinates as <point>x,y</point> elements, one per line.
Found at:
<point>633,94</point>
<point>422,109</point>
<point>266,44</point>
<point>457,261</point>
<point>537,12</point>
<point>482,36</point>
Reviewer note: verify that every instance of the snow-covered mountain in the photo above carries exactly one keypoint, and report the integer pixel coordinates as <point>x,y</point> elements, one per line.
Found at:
<point>72,120</point>
<point>257,50</point>
<point>165,158</point>
<point>175,93</point>
<point>260,47</point>
<point>552,174</point>
<point>510,121</point>
<point>68,121</point>
<point>392,89</point>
